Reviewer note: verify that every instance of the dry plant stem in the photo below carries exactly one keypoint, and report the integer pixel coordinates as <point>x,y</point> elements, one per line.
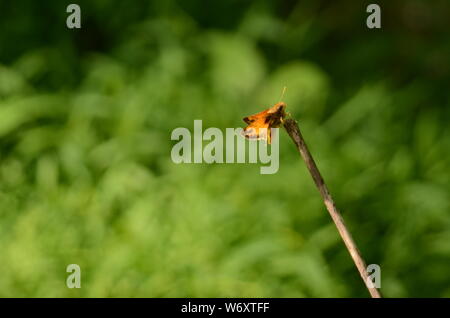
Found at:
<point>294,132</point>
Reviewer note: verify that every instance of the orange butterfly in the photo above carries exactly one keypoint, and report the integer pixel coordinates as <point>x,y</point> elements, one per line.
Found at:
<point>259,124</point>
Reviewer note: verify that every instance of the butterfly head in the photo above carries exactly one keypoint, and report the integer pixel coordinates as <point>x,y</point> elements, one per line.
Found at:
<point>279,110</point>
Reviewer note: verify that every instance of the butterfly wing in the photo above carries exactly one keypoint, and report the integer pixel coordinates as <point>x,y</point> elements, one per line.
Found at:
<point>248,120</point>
<point>256,117</point>
<point>260,124</point>
<point>258,127</point>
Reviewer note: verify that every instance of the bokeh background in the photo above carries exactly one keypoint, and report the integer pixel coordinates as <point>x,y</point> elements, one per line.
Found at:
<point>86,175</point>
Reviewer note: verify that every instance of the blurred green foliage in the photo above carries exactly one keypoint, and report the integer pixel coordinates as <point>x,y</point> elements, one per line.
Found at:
<point>86,175</point>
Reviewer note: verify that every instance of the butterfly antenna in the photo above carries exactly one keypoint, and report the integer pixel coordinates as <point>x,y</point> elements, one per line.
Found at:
<point>282,93</point>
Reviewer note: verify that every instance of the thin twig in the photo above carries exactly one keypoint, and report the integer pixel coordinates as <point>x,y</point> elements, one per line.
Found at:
<point>294,132</point>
